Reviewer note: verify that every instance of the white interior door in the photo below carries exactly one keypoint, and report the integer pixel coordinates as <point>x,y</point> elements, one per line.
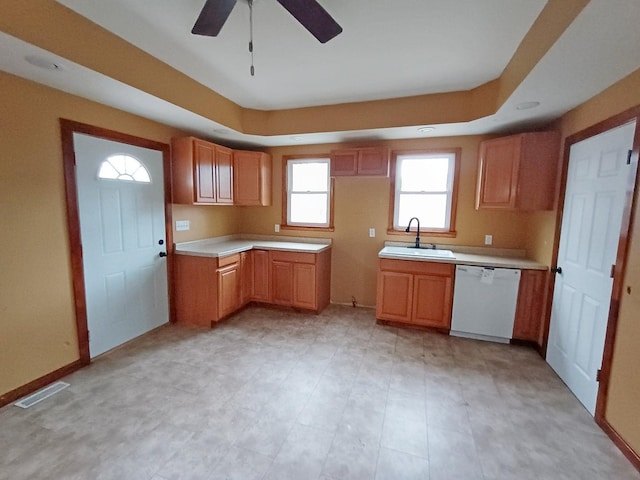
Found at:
<point>122,226</point>
<point>597,183</point>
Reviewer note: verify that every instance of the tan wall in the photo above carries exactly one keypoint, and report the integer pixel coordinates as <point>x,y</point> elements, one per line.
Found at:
<point>37,319</point>
<point>361,203</point>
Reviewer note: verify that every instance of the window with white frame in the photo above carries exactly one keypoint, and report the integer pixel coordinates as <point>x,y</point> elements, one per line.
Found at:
<point>308,192</point>
<point>425,185</point>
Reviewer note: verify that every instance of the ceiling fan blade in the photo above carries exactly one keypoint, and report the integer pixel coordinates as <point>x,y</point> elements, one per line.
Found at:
<point>314,18</point>
<point>212,17</point>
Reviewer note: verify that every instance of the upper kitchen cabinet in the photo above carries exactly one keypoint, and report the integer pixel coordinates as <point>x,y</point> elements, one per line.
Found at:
<point>252,178</point>
<point>371,161</point>
<point>518,172</point>
<point>202,172</point>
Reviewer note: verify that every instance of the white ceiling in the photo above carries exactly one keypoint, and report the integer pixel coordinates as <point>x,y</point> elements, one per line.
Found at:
<point>387,49</point>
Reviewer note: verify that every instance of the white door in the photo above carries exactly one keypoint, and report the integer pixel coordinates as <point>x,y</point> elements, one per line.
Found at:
<point>597,182</point>
<point>122,226</point>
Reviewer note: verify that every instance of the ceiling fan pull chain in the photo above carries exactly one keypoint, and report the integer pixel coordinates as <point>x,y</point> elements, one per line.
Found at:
<point>252,70</point>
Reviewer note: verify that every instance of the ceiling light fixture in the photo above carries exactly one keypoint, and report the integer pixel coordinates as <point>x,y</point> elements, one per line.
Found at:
<point>296,138</point>
<point>426,129</point>
<point>527,105</point>
<point>43,62</point>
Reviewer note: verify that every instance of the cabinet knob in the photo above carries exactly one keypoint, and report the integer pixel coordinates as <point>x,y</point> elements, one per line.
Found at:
<point>162,254</point>
<point>556,269</point>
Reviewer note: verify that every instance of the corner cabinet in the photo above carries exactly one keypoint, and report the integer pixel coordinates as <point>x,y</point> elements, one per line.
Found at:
<point>518,172</point>
<point>201,172</point>
<point>252,178</point>
<point>415,293</point>
<point>371,161</point>
<point>209,289</point>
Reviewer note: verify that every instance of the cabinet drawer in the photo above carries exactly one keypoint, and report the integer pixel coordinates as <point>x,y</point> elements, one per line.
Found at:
<point>293,257</point>
<point>417,266</point>
<point>228,260</point>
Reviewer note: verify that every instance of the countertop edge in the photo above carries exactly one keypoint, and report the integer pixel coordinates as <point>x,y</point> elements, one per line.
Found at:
<point>216,249</point>
<point>463,259</point>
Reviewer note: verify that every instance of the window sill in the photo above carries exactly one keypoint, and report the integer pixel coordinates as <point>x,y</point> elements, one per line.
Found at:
<point>425,233</point>
<point>309,229</point>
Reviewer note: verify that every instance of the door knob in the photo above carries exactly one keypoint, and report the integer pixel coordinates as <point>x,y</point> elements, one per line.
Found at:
<point>557,270</point>
<point>162,254</point>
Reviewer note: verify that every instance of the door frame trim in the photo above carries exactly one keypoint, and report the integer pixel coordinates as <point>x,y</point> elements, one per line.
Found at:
<point>621,255</point>
<point>67,129</point>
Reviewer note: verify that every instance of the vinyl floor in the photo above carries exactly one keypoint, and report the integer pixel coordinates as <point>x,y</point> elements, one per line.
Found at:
<point>278,395</point>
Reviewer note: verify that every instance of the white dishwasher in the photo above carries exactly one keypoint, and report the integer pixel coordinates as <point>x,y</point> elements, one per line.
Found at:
<point>484,302</point>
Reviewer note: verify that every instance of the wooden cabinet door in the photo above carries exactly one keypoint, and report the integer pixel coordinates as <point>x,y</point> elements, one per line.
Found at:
<point>281,282</point>
<point>528,321</point>
<point>373,161</point>
<point>432,301</point>
<point>204,158</point>
<point>195,290</point>
<point>223,175</point>
<point>246,273</point>
<point>304,286</point>
<point>498,173</point>
<point>251,178</point>
<point>394,296</point>
<point>228,289</point>
<point>344,162</point>
<point>261,275</point>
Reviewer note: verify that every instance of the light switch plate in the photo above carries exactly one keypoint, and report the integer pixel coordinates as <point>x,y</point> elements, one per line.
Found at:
<point>276,228</point>
<point>488,239</point>
<point>372,232</point>
<point>182,225</point>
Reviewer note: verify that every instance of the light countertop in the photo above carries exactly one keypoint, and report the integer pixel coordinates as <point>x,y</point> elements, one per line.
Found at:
<point>487,257</point>
<point>230,244</point>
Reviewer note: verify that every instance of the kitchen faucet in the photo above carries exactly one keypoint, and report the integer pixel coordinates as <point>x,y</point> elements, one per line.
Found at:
<point>417,230</point>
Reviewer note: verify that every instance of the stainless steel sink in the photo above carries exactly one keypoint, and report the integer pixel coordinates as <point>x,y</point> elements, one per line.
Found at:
<point>419,252</point>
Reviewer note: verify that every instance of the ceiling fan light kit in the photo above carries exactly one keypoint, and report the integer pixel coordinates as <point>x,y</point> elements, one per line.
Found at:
<point>309,13</point>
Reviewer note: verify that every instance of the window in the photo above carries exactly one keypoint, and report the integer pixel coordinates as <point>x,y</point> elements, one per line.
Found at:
<point>308,192</point>
<point>425,187</point>
<point>123,167</point>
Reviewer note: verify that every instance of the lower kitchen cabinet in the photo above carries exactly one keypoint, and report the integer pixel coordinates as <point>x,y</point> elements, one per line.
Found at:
<point>229,285</point>
<point>208,289</point>
<point>300,279</point>
<point>433,299</point>
<point>415,293</point>
<point>246,270</point>
<point>529,309</point>
<point>196,291</point>
<point>260,276</point>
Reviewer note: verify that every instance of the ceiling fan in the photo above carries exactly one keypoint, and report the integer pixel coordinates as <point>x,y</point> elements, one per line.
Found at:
<point>308,12</point>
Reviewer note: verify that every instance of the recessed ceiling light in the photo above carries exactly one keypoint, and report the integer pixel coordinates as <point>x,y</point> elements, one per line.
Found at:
<point>221,131</point>
<point>426,129</point>
<point>527,105</point>
<point>296,138</point>
<point>43,62</point>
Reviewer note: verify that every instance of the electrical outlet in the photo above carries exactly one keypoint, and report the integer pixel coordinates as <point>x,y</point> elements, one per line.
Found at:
<point>276,228</point>
<point>488,239</point>
<point>372,233</point>
<point>182,225</point>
